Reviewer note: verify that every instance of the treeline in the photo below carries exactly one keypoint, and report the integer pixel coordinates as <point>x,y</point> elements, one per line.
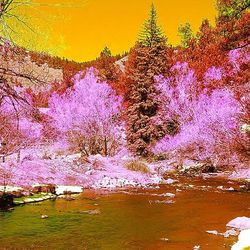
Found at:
<point>190,102</point>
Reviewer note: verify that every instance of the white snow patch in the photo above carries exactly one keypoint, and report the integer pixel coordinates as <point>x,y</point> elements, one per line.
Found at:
<point>243,241</point>
<point>72,189</point>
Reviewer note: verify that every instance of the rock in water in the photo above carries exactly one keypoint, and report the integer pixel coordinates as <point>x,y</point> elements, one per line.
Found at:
<point>214,232</point>
<point>231,232</point>
<point>164,239</point>
<point>92,212</point>
<point>240,223</point>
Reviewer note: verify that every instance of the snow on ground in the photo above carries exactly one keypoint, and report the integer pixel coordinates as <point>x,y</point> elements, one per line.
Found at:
<point>243,241</point>
<point>69,170</point>
<point>243,173</point>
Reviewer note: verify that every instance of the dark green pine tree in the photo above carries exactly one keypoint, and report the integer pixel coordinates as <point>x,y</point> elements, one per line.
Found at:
<point>146,60</point>
<point>151,33</point>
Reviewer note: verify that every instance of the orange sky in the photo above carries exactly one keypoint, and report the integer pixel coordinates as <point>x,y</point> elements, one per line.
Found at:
<point>87,26</point>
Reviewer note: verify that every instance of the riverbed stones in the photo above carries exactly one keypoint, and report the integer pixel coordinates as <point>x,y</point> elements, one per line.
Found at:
<point>43,188</point>
<point>92,212</point>
<point>190,168</point>
<point>228,233</point>
<point>161,202</point>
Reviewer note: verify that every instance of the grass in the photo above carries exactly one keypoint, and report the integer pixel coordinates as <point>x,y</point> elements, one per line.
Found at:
<point>138,166</point>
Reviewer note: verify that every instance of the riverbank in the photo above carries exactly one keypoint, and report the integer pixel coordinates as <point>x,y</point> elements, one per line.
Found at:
<point>36,177</point>
<point>39,165</point>
<point>211,182</point>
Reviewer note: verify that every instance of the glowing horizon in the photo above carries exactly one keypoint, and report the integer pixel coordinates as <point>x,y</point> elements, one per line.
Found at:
<point>85,27</point>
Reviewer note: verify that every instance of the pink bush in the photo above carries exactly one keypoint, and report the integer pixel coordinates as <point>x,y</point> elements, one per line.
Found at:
<point>208,121</point>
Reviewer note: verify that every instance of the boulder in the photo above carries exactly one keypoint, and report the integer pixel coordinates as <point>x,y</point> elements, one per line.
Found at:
<point>196,168</point>
<point>50,188</point>
<point>245,128</point>
<point>6,200</point>
<point>36,189</point>
<point>240,223</point>
<point>231,232</point>
<point>17,194</point>
<point>43,188</point>
<point>170,181</point>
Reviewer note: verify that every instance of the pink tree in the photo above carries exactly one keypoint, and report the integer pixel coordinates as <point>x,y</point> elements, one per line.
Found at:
<point>88,115</point>
<point>207,120</point>
<point>18,128</point>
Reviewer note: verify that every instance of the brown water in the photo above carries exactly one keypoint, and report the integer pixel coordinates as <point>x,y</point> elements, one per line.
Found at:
<point>127,220</point>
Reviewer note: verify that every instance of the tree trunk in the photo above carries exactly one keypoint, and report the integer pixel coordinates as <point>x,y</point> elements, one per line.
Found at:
<point>18,156</point>
<point>105,146</point>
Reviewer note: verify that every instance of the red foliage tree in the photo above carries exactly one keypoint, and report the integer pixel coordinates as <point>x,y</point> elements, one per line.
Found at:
<point>146,59</point>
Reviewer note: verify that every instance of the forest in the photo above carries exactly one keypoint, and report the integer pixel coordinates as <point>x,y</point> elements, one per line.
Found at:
<point>138,120</point>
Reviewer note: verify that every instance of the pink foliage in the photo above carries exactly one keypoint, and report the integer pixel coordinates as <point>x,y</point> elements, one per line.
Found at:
<point>97,172</point>
<point>207,121</point>
<point>89,112</point>
<point>213,73</point>
<point>29,129</point>
<point>18,128</point>
<point>237,57</point>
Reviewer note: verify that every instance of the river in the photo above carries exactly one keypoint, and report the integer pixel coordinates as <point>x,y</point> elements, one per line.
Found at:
<point>135,219</point>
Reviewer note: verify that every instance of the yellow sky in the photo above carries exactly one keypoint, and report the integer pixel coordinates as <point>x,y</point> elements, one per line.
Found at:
<point>87,26</point>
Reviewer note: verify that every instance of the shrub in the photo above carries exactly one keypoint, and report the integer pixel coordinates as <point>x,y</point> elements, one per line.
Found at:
<point>138,166</point>
<point>208,120</point>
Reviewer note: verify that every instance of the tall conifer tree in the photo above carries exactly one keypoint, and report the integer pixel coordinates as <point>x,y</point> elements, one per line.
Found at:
<point>151,33</point>
<point>146,60</point>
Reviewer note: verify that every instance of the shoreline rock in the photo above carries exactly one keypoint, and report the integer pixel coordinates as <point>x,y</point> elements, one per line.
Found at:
<point>6,201</point>
<point>241,223</point>
<point>30,199</point>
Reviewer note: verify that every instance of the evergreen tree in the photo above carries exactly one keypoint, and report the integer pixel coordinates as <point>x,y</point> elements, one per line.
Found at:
<point>106,67</point>
<point>186,34</point>
<point>229,9</point>
<point>146,60</point>
<point>151,33</point>
<point>106,52</point>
